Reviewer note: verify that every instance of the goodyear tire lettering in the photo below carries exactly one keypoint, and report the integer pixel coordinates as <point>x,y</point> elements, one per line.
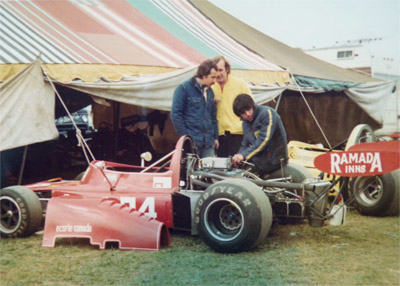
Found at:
<point>248,224</point>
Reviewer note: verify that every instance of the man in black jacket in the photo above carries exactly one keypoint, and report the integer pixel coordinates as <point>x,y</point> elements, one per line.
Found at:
<point>194,112</point>
<point>264,141</point>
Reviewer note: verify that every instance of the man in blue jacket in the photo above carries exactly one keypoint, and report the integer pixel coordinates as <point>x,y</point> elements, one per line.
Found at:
<point>264,138</point>
<point>194,112</point>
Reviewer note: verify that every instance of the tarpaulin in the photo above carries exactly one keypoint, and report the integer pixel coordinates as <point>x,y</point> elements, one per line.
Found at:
<point>26,109</point>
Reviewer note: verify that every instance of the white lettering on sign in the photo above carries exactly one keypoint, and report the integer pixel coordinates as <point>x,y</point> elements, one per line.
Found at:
<point>356,162</point>
<point>355,169</point>
<point>335,160</point>
<point>147,207</point>
<point>376,165</point>
<point>74,228</point>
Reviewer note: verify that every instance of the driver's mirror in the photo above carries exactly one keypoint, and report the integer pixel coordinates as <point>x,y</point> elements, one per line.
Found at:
<point>146,156</point>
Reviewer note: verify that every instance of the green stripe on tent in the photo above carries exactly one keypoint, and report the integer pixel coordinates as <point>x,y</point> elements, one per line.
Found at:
<point>148,9</point>
<point>327,85</point>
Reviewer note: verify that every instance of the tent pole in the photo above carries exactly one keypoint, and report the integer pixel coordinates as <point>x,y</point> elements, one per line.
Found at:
<point>278,102</point>
<point>312,113</point>
<point>21,170</point>
<point>117,110</point>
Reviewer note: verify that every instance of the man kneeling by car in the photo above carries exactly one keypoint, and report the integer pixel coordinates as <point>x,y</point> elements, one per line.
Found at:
<point>264,141</point>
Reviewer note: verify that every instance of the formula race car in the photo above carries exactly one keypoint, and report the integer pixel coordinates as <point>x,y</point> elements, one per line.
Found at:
<point>373,195</point>
<point>232,209</point>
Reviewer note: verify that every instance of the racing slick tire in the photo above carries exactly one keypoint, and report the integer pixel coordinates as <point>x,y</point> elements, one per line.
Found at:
<point>362,133</point>
<point>376,195</point>
<point>21,212</point>
<point>233,215</point>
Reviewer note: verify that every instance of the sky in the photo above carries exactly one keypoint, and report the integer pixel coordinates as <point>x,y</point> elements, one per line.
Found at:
<point>307,24</point>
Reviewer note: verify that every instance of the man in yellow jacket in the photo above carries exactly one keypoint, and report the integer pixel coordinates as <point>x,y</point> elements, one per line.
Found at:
<point>225,90</point>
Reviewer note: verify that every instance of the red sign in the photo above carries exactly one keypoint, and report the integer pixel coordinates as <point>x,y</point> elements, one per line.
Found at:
<point>358,163</point>
<point>393,146</point>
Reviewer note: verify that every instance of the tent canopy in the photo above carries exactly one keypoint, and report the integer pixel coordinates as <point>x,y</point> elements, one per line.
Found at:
<point>111,39</point>
<point>137,52</point>
<point>294,60</point>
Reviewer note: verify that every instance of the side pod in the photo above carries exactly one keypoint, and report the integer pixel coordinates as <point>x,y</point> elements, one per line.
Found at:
<point>102,220</point>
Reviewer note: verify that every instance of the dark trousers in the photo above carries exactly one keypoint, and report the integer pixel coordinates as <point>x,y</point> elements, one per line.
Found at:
<point>229,144</point>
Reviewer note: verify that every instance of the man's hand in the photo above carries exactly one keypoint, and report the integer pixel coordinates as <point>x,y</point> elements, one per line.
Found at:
<point>237,159</point>
<point>216,143</point>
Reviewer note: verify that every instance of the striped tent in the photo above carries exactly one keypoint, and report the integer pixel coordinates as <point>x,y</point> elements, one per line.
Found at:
<point>91,39</point>
<point>136,51</point>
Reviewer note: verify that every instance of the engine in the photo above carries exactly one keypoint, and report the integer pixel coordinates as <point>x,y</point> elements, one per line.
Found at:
<point>289,199</point>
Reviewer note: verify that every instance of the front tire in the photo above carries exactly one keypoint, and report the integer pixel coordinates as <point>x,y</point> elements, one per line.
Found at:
<point>21,212</point>
<point>233,215</point>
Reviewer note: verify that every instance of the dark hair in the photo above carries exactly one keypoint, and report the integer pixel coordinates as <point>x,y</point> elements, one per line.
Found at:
<point>227,64</point>
<point>242,103</point>
<point>205,68</point>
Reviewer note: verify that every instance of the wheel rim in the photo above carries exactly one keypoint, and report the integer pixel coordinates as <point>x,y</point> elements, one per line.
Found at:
<point>371,190</point>
<point>223,219</point>
<point>10,215</point>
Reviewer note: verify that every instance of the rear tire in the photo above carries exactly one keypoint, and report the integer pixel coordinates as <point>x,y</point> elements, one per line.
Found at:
<point>362,133</point>
<point>233,215</point>
<point>21,212</point>
<point>380,195</point>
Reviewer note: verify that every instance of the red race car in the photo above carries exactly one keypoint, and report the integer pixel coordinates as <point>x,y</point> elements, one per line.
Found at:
<point>135,206</point>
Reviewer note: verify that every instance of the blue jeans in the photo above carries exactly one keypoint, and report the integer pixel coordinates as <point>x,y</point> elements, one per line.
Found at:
<point>204,152</point>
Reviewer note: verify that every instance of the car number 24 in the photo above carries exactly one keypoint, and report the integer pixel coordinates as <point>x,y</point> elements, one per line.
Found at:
<point>147,207</point>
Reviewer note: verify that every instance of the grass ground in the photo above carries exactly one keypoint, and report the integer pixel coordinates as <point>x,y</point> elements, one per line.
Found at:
<point>364,251</point>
